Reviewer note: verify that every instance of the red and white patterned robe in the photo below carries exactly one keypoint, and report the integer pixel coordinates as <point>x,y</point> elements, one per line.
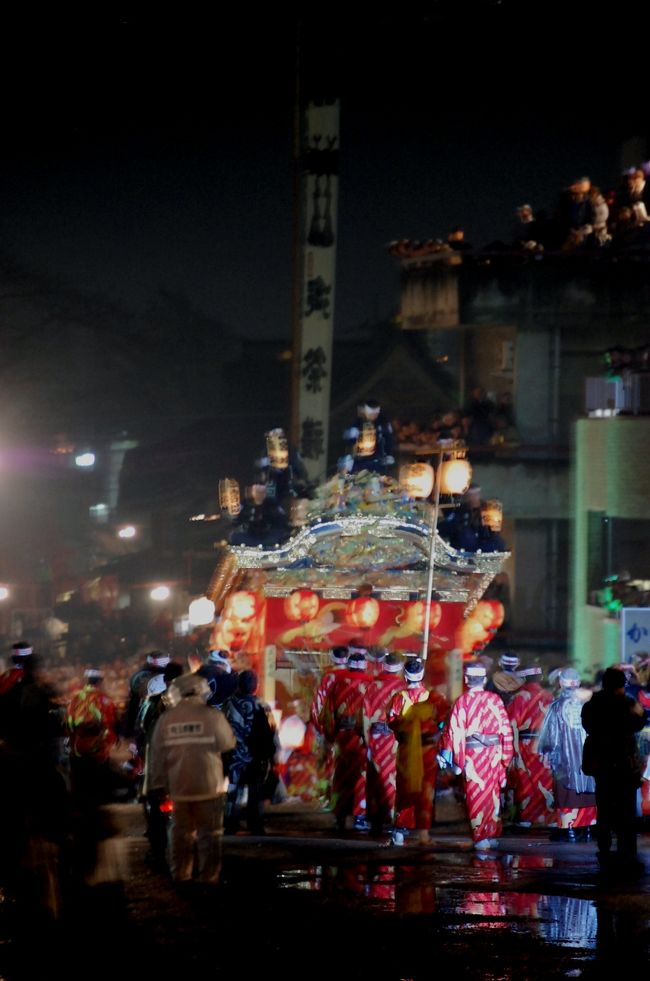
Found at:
<point>530,775</point>
<point>324,751</point>
<point>478,713</point>
<point>342,720</point>
<point>415,715</point>
<point>381,747</point>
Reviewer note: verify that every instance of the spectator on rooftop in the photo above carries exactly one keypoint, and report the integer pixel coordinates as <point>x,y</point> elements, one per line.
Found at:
<point>525,232</point>
<point>635,194</point>
<point>575,213</point>
<point>480,409</point>
<point>456,240</point>
<point>600,235</point>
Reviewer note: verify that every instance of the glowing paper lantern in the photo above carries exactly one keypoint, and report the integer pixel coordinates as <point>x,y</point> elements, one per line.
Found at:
<point>277,449</point>
<point>242,605</point>
<point>301,605</point>
<point>498,613</point>
<point>367,441</point>
<point>362,612</point>
<point>232,634</point>
<point>416,480</point>
<point>229,497</point>
<point>485,614</point>
<point>455,477</point>
<point>201,611</point>
<point>492,514</point>
<point>471,636</point>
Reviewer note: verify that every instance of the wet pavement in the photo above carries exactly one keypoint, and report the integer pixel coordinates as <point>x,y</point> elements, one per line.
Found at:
<point>305,901</point>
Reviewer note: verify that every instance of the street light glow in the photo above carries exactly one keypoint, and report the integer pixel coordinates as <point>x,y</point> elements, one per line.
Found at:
<point>201,612</point>
<point>127,532</point>
<point>4,593</point>
<point>85,460</point>
<point>160,593</point>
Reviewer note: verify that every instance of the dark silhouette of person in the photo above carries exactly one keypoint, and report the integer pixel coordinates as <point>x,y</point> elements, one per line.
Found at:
<point>611,719</point>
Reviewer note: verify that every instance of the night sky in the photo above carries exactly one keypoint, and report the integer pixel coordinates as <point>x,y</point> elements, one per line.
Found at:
<point>139,153</point>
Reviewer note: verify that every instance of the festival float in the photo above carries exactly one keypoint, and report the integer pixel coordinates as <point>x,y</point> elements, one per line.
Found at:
<point>360,569</point>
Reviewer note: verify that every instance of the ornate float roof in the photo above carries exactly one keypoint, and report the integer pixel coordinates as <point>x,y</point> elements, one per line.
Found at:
<point>336,555</point>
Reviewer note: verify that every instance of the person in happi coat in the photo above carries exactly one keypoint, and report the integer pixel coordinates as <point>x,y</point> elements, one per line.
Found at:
<point>561,739</point>
<point>415,716</point>
<point>506,680</point>
<point>478,740</point>
<point>325,749</point>
<point>381,776</point>
<point>342,721</point>
<point>530,776</point>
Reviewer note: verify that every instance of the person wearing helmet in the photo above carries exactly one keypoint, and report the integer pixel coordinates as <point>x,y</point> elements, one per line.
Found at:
<point>479,741</point>
<point>155,663</point>
<point>415,715</point>
<point>561,739</point>
<point>185,751</point>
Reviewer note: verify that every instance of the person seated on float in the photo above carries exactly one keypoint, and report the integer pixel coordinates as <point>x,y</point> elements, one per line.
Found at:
<point>261,520</point>
<point>370,438</point>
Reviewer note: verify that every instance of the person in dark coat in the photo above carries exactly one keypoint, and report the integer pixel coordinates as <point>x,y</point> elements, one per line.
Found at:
<point>611,719</point>
<point>251,761</point>
<point>217,671</point>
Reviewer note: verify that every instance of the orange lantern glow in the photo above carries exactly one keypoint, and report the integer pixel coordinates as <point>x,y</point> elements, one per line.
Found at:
<point>229,498</point>
<point>363,612</point>
<point>498,614</point>
<point>367,441</point>
<point>485,614</point>
<point>232,634</point>
<point>471,636</point>
<point>301,605</point>
<point>242,605</point>
<point>455,477</point>
<point>417,614</point>
<point>277,449</point>
<point>492,514</point>
<point>416,480</point>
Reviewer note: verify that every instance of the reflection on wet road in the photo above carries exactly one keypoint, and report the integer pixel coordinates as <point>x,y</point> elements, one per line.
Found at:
<point>466,895</point>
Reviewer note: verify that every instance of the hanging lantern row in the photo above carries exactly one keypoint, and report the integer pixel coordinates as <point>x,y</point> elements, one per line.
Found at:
<point>417,479</point>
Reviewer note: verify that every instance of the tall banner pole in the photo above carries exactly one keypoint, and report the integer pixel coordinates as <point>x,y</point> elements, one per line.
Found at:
<point>314,320</point>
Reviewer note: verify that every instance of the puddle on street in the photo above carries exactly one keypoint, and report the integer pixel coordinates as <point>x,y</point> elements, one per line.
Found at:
<point>405,890</point>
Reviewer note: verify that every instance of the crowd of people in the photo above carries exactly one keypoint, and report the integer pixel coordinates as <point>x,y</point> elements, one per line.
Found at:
<point>585,218</point>
<point>378,745</point>
<point>191,741</point>
<point>386,739</point>
<point>484,421</point>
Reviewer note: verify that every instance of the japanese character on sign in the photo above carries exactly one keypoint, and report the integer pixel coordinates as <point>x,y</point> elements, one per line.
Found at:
<point>314,362</point>
<point>311,441</point>
<point>318,297</point>
<point>635,633</point>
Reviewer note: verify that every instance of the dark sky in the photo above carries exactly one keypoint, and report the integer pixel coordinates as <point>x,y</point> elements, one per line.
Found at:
<point>140,152</point>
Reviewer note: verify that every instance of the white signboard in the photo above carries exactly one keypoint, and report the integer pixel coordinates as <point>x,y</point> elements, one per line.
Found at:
<point>319,260</point>
<point>635,631</point>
